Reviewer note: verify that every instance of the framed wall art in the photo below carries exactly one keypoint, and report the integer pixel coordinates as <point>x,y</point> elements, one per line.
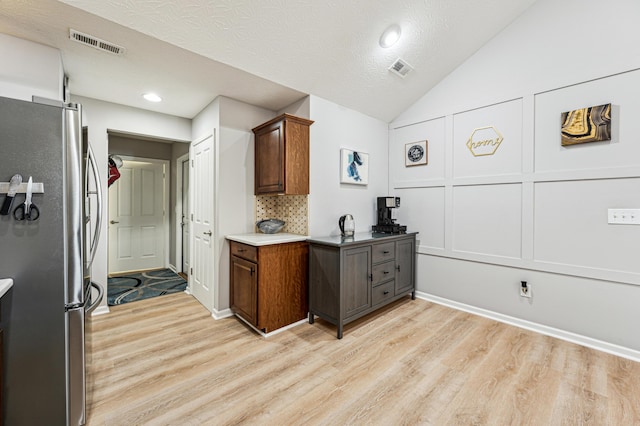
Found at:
<point>592,124</point>
<point>415,153</point>
<point>354,167</point>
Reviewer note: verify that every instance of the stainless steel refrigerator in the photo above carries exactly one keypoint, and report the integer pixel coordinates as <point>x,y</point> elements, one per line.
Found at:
<point>49,259</point>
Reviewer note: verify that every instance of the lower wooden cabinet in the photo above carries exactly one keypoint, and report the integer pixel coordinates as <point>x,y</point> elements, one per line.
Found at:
<point>349,278</point>
<point>269,283</point>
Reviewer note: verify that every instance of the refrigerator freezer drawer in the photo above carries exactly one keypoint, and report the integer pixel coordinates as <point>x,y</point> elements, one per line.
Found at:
<point>75,367</point>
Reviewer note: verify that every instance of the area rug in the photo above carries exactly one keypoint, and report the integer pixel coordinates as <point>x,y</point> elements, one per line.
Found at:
<point>143,285</point>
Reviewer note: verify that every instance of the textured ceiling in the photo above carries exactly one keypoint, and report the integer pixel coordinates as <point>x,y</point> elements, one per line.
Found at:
<point>286,48</point>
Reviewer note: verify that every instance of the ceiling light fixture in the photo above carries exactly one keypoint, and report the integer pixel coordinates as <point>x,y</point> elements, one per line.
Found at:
<point>390,36</point>
<point>152,97</point>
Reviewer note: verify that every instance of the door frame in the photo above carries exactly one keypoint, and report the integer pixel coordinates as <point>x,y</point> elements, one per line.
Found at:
<point>165,204</point>
<point>178,208</point>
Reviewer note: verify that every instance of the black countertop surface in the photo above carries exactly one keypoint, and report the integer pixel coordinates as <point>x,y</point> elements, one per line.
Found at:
<point>358,238</point>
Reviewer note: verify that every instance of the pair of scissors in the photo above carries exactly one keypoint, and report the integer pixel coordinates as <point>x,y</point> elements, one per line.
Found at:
<point>27,210</point>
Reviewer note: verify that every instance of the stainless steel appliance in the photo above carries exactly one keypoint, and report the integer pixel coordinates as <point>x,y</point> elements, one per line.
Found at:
<point>49,258</point>
<point>347,225</point>
<point>386,217</point>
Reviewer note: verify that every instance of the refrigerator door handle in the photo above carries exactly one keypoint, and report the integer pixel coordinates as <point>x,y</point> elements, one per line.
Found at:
<point>94,304</point>
<point>91,158</point>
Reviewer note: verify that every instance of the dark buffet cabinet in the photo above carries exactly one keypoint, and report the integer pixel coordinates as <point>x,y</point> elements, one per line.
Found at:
<point>349,278</point>
<point>269,283</point>
<point>282,156</point>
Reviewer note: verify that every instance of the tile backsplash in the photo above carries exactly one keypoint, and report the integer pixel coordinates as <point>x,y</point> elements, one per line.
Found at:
<point>293,209</point>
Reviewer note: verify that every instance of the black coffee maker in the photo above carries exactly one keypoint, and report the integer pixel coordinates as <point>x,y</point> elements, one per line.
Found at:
<point>386,222</point>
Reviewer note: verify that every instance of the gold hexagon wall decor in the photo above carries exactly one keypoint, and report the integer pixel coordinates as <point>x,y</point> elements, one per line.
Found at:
<point>484,141</point>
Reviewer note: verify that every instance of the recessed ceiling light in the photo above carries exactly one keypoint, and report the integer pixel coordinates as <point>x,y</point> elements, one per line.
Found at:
<point>390,36</point>
<point>152,97</point>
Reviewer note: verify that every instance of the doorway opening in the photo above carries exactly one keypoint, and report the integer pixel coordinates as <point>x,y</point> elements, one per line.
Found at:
<point>143,259</point>
<point>138,219</point>
<point>182,217</point>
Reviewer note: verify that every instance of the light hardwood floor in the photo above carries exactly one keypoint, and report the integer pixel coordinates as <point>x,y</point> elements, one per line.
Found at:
<point>165,361</point>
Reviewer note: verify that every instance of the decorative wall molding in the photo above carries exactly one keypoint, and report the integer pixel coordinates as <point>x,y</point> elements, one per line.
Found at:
<point>623,277</point>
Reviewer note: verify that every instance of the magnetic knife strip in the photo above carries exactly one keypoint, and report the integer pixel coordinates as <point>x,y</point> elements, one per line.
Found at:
<point>38,188</point>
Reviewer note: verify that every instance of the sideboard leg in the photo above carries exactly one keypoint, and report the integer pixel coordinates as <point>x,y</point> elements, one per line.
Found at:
<point>413,295</point>
<point>311,318</point>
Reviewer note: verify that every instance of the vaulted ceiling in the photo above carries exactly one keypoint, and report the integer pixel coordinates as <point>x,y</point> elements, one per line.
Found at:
<point>268,53</point>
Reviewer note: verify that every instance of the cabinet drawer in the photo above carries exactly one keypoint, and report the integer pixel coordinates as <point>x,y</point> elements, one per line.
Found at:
<point>382,293</point>
<point>382,252</point>
<point>383,272</point>
<point>244,251</point>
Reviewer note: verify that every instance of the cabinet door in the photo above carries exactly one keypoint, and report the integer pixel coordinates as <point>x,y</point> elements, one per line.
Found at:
<point>405,265</point>
<point>270,159</point>
<point>356,275</point>
<point>244,287</point>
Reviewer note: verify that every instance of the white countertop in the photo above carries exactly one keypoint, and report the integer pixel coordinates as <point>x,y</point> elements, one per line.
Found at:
<point>5,285</point>
<point>260,239</point>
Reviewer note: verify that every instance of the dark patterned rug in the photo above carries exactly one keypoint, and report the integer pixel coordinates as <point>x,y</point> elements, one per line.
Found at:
<point>143,285</point>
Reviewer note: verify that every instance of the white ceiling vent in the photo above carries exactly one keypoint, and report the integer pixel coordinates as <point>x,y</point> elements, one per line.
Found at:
<point>400,68</point>
<point>95,42</point>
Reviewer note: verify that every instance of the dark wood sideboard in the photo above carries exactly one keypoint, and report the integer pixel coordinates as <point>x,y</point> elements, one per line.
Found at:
<point>354,276</point>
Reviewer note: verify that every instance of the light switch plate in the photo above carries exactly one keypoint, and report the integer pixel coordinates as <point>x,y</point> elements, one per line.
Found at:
<point>624,216</point>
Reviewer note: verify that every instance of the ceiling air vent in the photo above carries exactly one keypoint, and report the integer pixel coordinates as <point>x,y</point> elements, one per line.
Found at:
<point>400,68</point>
<point>95,42</point>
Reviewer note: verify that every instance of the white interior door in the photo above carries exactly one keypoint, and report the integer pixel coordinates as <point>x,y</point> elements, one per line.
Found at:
<point>184,223</point>
<point>202,199</point>
<point>137,225</point>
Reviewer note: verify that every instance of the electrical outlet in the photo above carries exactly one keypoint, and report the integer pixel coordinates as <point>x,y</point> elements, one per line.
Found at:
<point>624,216</point>
<point>525,289</point>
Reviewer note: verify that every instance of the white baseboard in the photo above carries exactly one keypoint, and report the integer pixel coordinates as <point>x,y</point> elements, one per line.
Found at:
<point>280,330</point>
<point>173,268</point>
<point>100,310</point>
<point>600,345</point>
<point>225,313</point>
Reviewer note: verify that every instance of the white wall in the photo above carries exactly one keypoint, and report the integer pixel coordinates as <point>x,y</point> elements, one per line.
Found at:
<point>334,127</point>
<point>29,69</point>
<point>553,44</point>
<point>100,116</point>
<point>234,165</point>
<point>338,127</point>
<point>534,210</point>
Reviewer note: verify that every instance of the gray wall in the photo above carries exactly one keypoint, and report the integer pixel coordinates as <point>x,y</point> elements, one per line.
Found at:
<point>535,210</point>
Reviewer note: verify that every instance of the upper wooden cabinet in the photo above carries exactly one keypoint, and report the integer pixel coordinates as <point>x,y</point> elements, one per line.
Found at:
<point>282,156</point>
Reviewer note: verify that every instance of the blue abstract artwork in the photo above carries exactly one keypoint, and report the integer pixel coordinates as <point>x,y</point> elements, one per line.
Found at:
<point>354,167</point>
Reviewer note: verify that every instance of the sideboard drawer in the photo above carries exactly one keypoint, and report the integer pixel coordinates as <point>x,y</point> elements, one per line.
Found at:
<point>383,272</point>
<point>382,252</point>
<point>382,293</point>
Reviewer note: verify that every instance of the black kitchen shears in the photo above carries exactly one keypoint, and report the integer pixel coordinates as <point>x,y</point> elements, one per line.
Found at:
<point>27,210</point>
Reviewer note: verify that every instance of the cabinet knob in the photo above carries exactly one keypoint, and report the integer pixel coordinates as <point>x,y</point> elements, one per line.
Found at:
<point>252,270</point>
<point>385,272</point>
<point>385,252</point>
<point>398,268</point>
<point>386,292</point>
<point>371,277</point>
